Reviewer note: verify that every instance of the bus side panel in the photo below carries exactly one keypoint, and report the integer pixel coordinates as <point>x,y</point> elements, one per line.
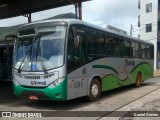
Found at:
<point>118,72</point>
<point>114,72</point>
<point>77,83</point>
<point>112,81</point>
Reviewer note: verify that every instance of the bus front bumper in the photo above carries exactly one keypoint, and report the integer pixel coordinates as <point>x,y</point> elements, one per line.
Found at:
<point>58,93</point>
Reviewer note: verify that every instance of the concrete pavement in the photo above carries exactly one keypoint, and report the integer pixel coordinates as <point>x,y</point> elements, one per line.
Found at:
<point>145,108</point>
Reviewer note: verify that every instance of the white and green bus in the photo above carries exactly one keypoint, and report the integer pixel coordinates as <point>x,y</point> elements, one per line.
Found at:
<point>69,58</point>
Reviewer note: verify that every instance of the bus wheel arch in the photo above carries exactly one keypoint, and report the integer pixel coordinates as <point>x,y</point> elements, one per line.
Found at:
<point>138,79</point>
<point>95,88</point>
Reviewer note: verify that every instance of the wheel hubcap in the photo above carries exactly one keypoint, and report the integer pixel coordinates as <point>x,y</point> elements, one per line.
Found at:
<point>94,90</point>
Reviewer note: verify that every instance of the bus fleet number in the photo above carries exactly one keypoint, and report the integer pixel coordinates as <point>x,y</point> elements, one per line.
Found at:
<point>78,84</point>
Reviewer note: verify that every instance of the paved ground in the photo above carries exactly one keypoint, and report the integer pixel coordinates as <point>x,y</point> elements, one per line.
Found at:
<point>113,104</point>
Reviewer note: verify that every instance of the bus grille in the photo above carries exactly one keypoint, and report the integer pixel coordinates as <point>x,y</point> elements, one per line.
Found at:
<point>39,77</point>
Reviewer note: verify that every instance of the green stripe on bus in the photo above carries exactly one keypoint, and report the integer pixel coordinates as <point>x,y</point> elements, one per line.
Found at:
<point>112,81</point>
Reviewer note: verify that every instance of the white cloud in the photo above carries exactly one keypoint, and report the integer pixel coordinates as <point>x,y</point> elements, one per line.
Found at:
<point>118,13</point>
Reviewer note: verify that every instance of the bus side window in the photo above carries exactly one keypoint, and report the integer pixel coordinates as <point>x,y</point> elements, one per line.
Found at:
<point>79,51</point>
<point>112,46</point>
<point>76,54</point>
<point>124,48</point>
<point>135,49</point>
<point>142,50</point>
<point>149,51</point>
<point>96,42</point>
<point>70,43</point>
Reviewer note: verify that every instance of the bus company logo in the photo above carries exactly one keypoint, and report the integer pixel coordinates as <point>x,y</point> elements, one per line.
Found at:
<point>38,83</point>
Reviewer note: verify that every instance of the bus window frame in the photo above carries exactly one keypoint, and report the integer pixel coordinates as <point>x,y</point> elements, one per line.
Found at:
<point>112,39</point>
<point>80,28</point>
<point>100,33</point>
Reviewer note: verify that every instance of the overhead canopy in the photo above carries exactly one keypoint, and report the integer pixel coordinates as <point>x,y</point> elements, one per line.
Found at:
<point>13,8</point>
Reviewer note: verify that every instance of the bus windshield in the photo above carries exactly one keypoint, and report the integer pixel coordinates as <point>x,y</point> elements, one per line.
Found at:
<point>40,52</point>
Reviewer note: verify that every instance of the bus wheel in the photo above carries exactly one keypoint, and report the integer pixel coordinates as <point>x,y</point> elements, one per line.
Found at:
<point>94,92</point>
<point>139,78</point>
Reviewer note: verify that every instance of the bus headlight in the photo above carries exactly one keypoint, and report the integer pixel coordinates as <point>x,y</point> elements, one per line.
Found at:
<point>16,83</point>
<point>56,82</point>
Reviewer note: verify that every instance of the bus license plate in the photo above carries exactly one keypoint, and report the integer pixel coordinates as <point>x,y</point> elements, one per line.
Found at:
<point>33,97</point>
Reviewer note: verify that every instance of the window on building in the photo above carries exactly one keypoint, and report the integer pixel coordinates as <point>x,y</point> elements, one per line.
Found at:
<point>148,7</point>
<point>139,4</point>
<point>139,21</point>
<point>149,27</point>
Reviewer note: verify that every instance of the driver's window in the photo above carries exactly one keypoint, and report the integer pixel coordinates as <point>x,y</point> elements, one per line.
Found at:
<point>76,52</point>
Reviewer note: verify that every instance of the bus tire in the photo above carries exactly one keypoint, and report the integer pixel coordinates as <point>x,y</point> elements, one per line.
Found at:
<point>138,81</point>
<point>94,90</point>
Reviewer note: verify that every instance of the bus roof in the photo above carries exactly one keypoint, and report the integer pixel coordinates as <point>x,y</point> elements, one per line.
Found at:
<point>77,21</point>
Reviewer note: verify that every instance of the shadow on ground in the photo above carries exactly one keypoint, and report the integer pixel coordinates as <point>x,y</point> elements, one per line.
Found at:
<point>7,93</point>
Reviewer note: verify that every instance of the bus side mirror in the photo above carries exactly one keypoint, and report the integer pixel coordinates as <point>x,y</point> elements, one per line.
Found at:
<point>77,42</point>
<point>76,38</point>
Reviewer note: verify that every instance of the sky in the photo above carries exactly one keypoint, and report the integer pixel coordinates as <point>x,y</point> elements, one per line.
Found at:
<point>117,13</point>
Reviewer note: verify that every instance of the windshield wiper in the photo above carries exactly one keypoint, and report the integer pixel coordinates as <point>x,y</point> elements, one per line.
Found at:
<point>42,60</point>
<point>29,50</point>
<point>43,66</point>
<point>19,69</point>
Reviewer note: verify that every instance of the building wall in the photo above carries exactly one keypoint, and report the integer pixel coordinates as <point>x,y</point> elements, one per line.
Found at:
<point>147,18</point>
